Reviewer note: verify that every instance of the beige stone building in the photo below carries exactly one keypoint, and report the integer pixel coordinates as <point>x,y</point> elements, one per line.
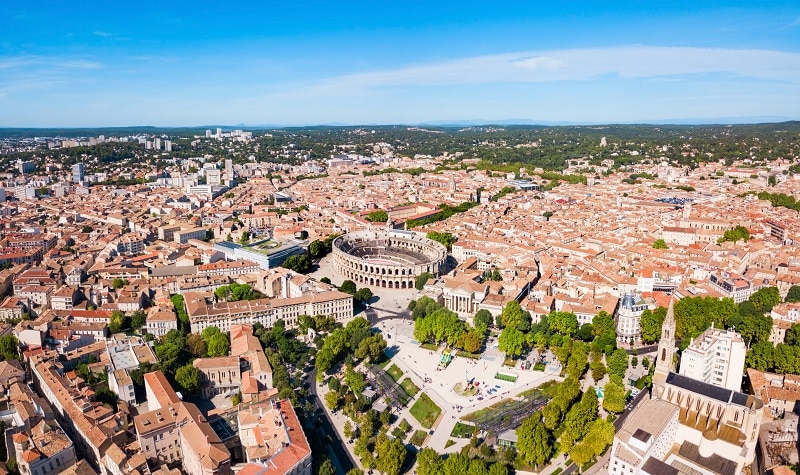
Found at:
<point>220,375</point>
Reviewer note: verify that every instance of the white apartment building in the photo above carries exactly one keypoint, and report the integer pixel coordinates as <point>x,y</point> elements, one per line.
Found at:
<point>121,383</point>
<point>733,286</point>
<point>160,321</point>
<point>629,317</point>
<point>715,357</point>
<point>213,177</point>
<point>183,236</point>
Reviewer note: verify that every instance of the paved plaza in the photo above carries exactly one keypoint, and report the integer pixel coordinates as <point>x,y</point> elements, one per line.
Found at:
<point>422,365</point>
<point>383,300</point>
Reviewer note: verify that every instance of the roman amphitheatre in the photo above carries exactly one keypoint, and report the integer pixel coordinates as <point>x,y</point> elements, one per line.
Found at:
<point>390,259</point>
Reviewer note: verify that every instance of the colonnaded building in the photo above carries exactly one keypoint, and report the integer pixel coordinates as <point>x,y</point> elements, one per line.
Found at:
<point>392,258</point>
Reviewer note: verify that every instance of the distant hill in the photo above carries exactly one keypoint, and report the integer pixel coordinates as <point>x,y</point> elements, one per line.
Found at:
<point>756,123</point>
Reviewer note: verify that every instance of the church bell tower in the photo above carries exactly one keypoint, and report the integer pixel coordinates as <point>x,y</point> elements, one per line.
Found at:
<point>666,351</point>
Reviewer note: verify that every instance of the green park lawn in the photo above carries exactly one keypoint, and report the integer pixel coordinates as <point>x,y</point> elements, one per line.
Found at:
<point>395,372</point>
<point>461,430</point>
<point>425,411</point>
<point>409,387</point>
<point>418,438</point>
<point>506,377</point>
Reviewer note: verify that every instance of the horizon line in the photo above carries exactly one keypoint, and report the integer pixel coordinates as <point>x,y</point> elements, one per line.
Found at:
<point>442,123</point>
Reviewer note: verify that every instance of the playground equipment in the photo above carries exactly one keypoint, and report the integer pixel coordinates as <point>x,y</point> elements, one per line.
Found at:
<point>447,357</point>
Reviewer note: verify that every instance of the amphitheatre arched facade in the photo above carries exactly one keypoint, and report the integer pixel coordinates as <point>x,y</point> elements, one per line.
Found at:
<point>391,259</point>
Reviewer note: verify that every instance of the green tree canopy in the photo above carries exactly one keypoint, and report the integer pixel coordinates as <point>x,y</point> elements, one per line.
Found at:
<point>138,319</point>
<point>326,468</point>
<point>429,462</point>
<point>455,464</point>
<point>794,294</point>
<point>753,328</point>
<point>565,323</point>
<point>600,435</point>
<point>446,239</point>
<point>483,318</point>
<point>514,317</point>
<point>618,363</point>
<point>735,234</point>
<point>471,341</point>
<point>793,335</point>
<point>379,216</point>
<point>422,279</point>
<point>650,324</point>
<point>300,263</point>
<point>695,314</point>
<point>118,322</point>
<point>441,325</point>
<point>614,396</point>
<point>389,454</point>
<point>534,442</point>
<point>363,294</point>
<point>660,244</point>
<point>235,292</point>
<point>217,343</point>
<point>9,347</point>
<point>348,287</point>
<point>765,298</point>
<point>511,341</point>
<point>602,323</point>
<point>371,348</point>
<point>188,377</point>
<point>576,423</point>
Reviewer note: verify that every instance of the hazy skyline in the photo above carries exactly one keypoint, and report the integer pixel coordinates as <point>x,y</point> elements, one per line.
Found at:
<point>194,63</point>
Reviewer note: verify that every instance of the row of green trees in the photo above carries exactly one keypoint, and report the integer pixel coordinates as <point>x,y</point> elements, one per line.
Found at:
<point>552,331</point>
<point>355,339</point>
<point>435,324</point>
<point>429,462</point>
<point>568,423</point>
<point>693,315</point>
<point>445,239</point>
<point>781,200</point>
<point>381,452</point>
<point>379,216</point>
<point>445,212</point>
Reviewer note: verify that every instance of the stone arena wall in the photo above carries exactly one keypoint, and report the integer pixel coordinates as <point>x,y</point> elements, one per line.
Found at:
<point>389,259</point>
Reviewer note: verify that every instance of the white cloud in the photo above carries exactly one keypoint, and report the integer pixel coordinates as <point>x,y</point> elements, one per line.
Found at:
<point>28,62</point>
<point>573,65</point>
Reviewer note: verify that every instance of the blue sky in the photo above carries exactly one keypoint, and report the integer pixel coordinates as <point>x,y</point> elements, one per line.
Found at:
<point>174,63</point>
